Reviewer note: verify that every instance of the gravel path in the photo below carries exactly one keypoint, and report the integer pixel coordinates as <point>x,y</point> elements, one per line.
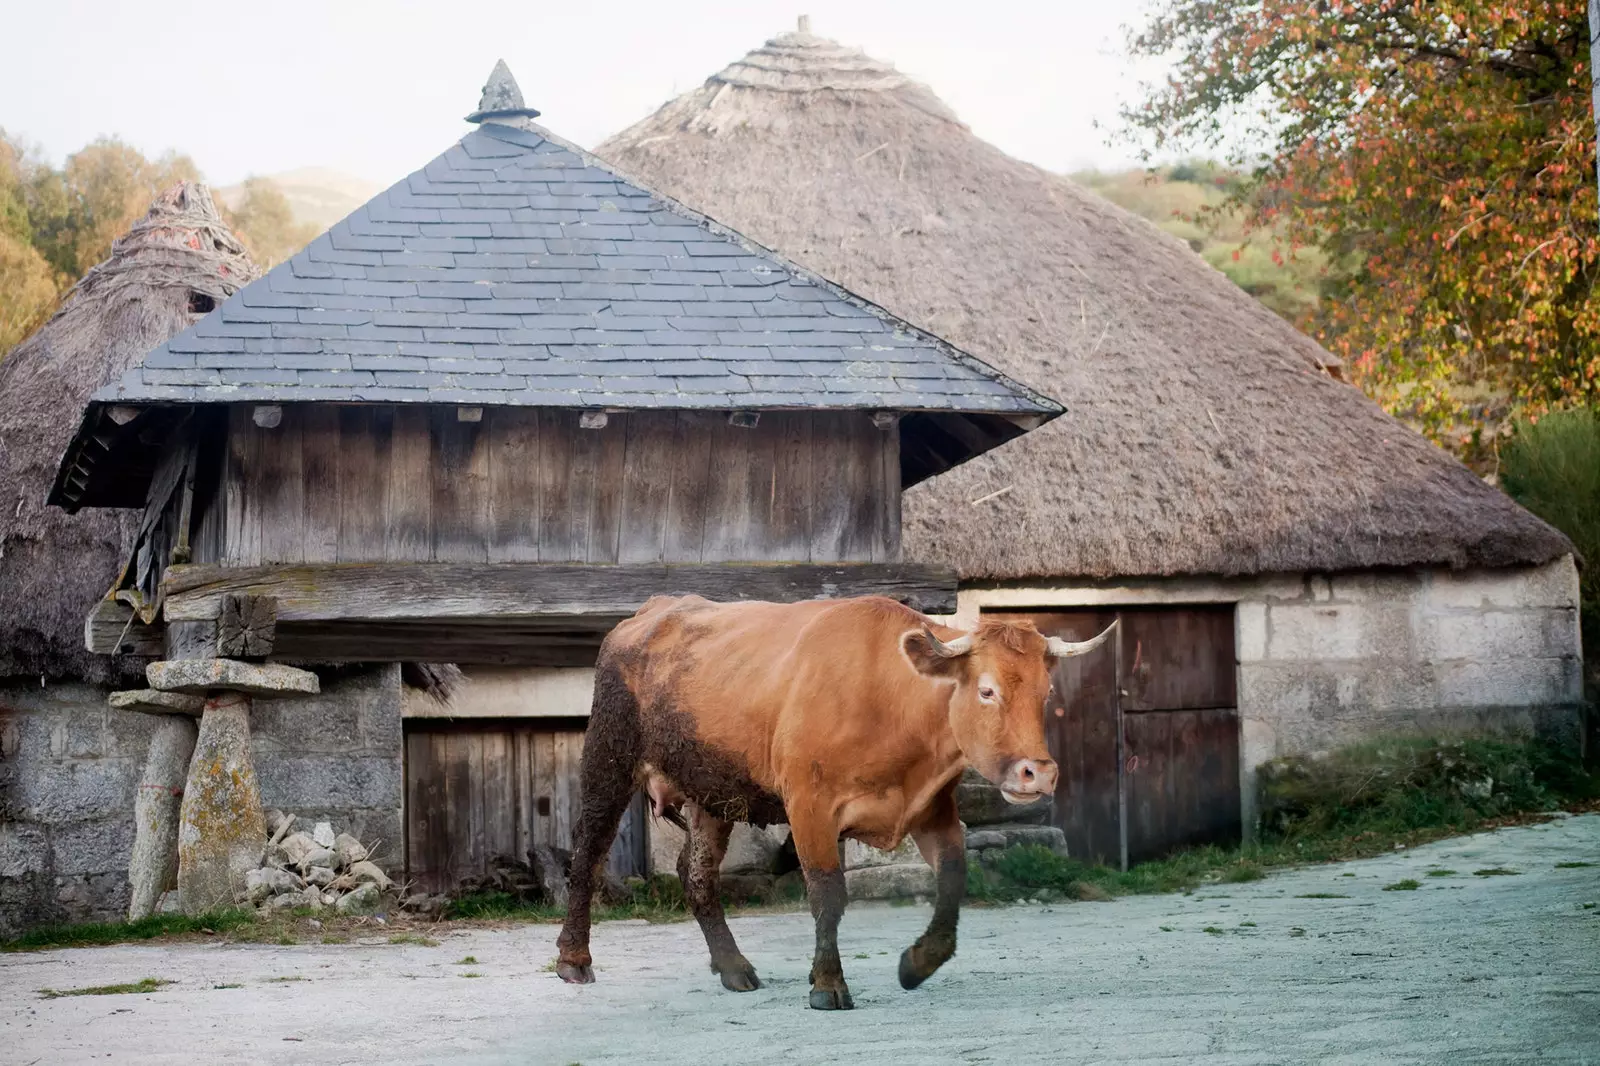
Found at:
<point>1465,969</point>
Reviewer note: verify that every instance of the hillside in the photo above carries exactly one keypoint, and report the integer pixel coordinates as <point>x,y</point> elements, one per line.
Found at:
<point>317,196</point>
<point>1172,197</point>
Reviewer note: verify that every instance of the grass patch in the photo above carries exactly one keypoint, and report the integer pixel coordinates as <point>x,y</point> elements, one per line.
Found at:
<point>93,934</point>
<point>467,960</point>
<point>1322,895</point>
<point>1166,928</point>
<point>285,980</point>
<point>1497,871</point>
<point>227,986</point>
<point>413,938</point>
<point>1295,930</point>
<point>1408,885</point>
<point>659,899</point>
<point>471,973</point>
<point>1441,873</point>
<point>1574,865</point>
<point>1247,925</point>
<point>1213,930</point>
<point>149,984</point>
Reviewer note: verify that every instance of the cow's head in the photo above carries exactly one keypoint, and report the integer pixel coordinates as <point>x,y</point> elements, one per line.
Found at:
<point>1001,672</point>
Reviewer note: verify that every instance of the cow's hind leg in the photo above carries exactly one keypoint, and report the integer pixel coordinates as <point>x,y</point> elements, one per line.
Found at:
<point>943,844</point>
<point>700,868</point>
<point>816,841</point>
<point>611,754</point>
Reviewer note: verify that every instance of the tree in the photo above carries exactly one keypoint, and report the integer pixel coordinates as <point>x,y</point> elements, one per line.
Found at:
<point>29,287</point>
<point>264,221</point>
<point>1445,149</point>
<point>77,211</point>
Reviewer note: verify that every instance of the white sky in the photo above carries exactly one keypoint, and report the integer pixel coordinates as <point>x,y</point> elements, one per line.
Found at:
<point>375,88</point>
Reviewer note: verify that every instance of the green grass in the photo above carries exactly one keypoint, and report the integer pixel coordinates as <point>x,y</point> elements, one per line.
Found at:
<point>471,973</point>
<point>1497,871</point>
<point>1408,885</point>
<point>1247,925</point>
<point>658,900</point>
<point>92,934</point>
<point>467,960</point>
<point>413,938</point>
<point>1213,930</point>
<point>149,984</point>
<point>1574,865</point>
<point>1322,895</point>
<point>1441,873</point>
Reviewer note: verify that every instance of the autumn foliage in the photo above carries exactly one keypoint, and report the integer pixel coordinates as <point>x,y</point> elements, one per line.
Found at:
<point>1442,154</point>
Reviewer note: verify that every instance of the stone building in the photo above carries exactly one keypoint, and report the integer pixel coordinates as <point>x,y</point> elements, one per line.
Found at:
<point>1294,568</point>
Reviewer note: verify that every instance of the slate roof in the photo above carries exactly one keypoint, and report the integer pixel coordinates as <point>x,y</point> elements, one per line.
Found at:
<point>517,269</point>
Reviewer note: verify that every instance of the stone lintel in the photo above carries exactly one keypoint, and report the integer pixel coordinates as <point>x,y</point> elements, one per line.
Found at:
<point>200,676</point>
<point>151,701</point>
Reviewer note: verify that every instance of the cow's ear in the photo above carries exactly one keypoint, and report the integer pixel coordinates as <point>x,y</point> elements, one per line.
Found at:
<point>930,657</point>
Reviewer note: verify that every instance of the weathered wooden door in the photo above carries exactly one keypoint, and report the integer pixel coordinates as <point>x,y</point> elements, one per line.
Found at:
<point>1146,731</point>
<point>478,789</point>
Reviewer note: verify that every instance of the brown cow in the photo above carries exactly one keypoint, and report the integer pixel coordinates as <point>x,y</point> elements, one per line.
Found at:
<point>845,718</point>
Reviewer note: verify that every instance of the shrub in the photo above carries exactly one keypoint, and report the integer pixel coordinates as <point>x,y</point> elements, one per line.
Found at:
<point>1552,467</point>
<point>1406,784</point>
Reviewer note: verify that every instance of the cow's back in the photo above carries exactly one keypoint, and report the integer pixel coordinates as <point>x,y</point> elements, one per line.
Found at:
<point>723,690</point>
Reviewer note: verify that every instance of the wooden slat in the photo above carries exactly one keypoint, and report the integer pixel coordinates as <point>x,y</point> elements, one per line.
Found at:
<point>280,487</point>
<point>365,437</point>
<point>691,486</point>
<point>500,796</point>
<point>561,536</point>
<point>375,591</point>
<point>111,629</point>
<point>544,777</point>
<point>242,505</point>
<point>319,459</point>
<point>788,533</point>
<point>1178,658</point>
<point>513,485</point>
<point>736,497</point>
<point>646,488</point>
<point>460,489</point>
<point>605,502</point>
<point>408,532</point>
<point>1184,791</point>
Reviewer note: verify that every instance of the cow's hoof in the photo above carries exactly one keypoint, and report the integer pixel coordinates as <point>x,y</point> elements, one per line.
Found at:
<point>831,999</point>
<point>909,976</point>
<point>739,976</point>
<point>575,975</point>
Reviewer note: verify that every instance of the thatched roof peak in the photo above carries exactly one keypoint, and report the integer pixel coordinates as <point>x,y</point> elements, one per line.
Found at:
<point>173,266</point>
<point>763,88</point>
<point>1204,435</point>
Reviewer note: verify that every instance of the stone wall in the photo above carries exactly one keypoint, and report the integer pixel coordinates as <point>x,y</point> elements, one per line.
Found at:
<point>70,768</point>
<point>1326,660</point>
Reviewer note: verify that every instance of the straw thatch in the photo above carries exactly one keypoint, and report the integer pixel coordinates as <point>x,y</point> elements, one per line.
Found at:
<point>1203,434</point>
<point>174,264</point>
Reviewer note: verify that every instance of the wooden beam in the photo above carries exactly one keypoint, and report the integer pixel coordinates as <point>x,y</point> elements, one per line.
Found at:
<point>506,592</point>
<point>112,629</point>
<point>247,626</point>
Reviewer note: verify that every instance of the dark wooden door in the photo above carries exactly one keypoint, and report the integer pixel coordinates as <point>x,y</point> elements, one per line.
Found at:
<point>1146,731</point>
<point>478,789</point>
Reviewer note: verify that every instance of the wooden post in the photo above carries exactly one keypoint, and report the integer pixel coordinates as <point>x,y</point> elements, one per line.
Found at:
<point>153,867</point>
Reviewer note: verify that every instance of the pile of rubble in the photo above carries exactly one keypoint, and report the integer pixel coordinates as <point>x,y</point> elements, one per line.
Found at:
<point>314,869</point>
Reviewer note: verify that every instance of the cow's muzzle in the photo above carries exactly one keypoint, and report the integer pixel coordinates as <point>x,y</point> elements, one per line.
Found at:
<point>1029,780</point>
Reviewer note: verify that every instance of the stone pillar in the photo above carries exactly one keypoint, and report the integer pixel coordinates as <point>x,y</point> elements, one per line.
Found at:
<point>153,868</point>
<point>221,832</point>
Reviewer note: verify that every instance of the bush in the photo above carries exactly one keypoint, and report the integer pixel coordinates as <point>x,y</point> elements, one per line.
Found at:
<point>1407,784</point>
<point>1552,467</point>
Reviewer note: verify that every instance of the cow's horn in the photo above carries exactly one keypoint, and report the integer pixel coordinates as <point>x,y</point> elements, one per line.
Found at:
<point>960,646</point>
<point>1065,649</point>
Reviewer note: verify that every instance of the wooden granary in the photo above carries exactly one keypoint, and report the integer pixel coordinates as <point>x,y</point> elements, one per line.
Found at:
<point>479,421</point>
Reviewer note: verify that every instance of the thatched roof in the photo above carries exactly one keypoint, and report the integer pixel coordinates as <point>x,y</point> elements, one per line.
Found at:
<point>1203,434</point>
<point>171,267</point>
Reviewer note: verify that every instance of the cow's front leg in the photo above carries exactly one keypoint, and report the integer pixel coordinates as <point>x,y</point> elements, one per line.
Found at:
<point>943,844</point>
<point>700,868</point>
<point>816,842</point>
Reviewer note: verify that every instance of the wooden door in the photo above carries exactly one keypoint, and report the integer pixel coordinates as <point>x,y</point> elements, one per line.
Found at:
<point>478,789</point>
<point>1145,730</point>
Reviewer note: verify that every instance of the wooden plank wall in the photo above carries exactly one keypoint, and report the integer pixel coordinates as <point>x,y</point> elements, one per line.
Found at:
<point>475,790</point>
<point>415,484</point>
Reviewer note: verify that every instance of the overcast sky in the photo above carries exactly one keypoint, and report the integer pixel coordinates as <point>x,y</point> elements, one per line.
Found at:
<point>375,88</point>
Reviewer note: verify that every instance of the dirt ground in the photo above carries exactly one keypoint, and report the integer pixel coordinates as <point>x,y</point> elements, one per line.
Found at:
<point>1315,965</point>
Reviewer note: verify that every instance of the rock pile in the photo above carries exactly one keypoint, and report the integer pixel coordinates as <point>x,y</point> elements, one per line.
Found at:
<point>314,869</point>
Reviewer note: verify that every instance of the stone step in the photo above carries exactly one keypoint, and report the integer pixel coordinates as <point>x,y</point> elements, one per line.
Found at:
<point>152,701</point>
<point>230,675</point>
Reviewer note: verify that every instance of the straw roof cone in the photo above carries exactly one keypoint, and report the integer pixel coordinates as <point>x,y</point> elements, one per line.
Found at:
<point>175,264</point>
<point>1203,435</point>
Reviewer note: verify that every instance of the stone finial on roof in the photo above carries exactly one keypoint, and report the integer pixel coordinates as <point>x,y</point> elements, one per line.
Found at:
<point>501,99</point>
<point>803,24</point>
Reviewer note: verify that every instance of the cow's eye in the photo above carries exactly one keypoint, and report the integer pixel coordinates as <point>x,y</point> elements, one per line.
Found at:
<point>986,694</point>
